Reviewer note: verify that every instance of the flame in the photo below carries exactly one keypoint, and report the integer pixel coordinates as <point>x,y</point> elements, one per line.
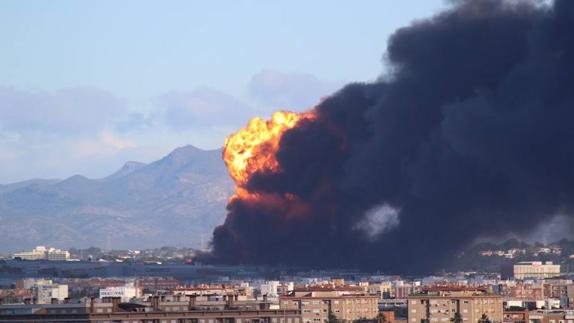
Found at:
<point>252,149</point>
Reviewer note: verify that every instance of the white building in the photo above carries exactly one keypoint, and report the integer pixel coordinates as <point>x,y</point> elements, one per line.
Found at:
<point>269,288</point>
<point>57,254</point>
<point>37,253</point>
<point>536,270</point>
<point>45,293</point>
<point>41,252</point>
<point>29,283</point>
<point>126,292</point>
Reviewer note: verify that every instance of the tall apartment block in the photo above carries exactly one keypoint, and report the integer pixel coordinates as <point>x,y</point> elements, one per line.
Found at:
<point>437,305</point>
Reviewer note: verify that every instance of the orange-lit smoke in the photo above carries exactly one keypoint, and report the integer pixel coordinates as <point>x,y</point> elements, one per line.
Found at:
<point>253,148</point>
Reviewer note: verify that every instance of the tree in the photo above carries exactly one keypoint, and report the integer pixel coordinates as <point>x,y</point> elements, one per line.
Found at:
<point>381,317</point>
<point>484,319</point>
<point>457,318</point>
<point>333,319</point>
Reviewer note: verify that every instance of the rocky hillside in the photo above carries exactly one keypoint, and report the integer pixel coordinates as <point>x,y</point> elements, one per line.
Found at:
<point>177,201</point>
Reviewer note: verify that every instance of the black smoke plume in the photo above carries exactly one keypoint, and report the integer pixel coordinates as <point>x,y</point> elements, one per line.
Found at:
<point>469,134</point>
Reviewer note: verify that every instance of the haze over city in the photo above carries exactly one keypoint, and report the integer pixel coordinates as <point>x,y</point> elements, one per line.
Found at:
<point>255,162</point>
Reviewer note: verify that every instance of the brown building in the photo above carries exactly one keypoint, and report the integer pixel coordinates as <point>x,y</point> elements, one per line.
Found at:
<point>525,291</point>
<point>551,316</point>
<point>516,316</point>
<point>440,306</point>
<point>556,289</point>
<point>317,306</point>
<point>152,312</point>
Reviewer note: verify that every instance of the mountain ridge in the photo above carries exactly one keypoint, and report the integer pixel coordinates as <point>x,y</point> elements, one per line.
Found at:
<point>176,200</point>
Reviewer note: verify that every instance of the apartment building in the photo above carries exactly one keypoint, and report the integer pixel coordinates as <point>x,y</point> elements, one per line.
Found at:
<point>525,291</point>
<point>436,305</point>
<point>536,270</point>
<point>551,316</point>
<point>382,290</point>
<point>133,312</point>
<point>318,306</point>
<point>46,294</point>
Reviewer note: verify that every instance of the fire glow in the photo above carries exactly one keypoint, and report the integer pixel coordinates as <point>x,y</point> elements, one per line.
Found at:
<point>253,148</point>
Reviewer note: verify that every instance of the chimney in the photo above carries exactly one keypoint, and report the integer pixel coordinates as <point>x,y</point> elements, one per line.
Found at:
<point>191,302</point>
<point>155,303</point>
<point>116,304</point>
<point>230,300</point>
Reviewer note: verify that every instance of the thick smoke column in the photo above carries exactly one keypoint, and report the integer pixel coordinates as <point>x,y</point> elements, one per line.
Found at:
<point>470,134</point>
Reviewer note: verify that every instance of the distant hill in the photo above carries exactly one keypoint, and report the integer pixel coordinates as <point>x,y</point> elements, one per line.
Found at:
<point>177,200</point>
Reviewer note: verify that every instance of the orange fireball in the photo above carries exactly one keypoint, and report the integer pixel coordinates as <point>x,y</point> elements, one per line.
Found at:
<point>253,148</point>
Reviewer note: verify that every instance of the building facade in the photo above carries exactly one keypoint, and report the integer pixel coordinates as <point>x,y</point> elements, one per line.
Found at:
<point>536,270</point>
<point>46,294</point>
<point>440,306</point>
<point>125,293</point>
<point>318,307</point>
<point>41,252</point>
<point>108,313</point>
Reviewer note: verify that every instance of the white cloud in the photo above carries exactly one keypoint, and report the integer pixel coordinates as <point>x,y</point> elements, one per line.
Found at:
<point>90,131</point>
<point>73,110</point>
<point>105,144</point>
<point>293,91</point>
<point>201,108</point>
<point>115,141</point>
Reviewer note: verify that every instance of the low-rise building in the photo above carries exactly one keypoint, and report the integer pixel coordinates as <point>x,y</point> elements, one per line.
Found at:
<point>516,316</point>
<point>551,316</point>
<point>536,270</point>
<point>46,294</point>
<point>42,252</point>
<point>125,293</point>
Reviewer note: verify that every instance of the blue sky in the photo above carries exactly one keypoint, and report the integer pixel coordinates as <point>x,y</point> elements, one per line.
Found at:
<point>86,86</point>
